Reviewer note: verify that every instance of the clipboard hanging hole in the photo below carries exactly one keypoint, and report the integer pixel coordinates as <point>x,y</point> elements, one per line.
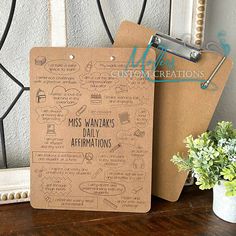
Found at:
<point>112,58</point>
<point>72,57</point>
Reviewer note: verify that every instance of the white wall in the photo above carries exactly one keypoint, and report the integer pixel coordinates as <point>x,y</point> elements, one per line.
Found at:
<point>30,28</point>
<point>221,16</point>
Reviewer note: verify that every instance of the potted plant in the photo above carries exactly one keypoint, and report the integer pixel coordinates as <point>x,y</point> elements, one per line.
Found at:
<point>212,159</point>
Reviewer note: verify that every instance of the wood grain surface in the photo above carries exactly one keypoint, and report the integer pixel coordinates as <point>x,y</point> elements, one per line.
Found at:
<point>191,215</point>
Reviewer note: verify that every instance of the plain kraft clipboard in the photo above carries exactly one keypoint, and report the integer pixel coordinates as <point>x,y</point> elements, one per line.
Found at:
<point>181,109</point>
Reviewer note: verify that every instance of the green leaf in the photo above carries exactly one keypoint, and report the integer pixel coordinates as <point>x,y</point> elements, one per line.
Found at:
<point>230,188</point>
<point>211,157</point>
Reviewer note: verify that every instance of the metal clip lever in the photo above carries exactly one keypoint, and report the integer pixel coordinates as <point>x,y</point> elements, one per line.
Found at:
<point>175,46</point>
<point>205,84</point>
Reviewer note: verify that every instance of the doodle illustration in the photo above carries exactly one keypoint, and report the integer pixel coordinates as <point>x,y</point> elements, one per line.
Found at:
<point>109,203</point>
<point>124,118</point>
<point>40,60</point>
<point>138,163</point>
<point>137,189</point>
<point>113,149</point>
<point>89,66</point>
<point>139,133</point>
<point>51,129</point>
<point>81,110</point>
<point>39,172</point>
<point>97,173</point>
<point>47,198</point>
<point>89,157</point>
<point>40,96</point>
<point>96,99</point>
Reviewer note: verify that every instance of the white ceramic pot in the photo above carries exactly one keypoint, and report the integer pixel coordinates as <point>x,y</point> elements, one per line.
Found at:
<point>224,207</point>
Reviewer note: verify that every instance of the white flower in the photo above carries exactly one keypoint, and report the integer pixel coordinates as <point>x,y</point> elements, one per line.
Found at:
<point>232,158</point>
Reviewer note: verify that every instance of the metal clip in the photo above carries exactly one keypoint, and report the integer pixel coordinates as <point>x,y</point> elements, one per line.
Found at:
<point>175,46</point>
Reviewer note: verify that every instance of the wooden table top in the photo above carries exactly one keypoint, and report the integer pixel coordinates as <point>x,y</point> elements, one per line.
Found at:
<point>191,215</point>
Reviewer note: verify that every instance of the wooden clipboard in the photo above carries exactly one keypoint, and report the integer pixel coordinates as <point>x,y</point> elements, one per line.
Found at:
<point>181,108</point>
<point>91,130</point>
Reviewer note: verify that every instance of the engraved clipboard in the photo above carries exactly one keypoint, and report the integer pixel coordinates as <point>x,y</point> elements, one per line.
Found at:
<point>91,130</point>
<point>181,108</point>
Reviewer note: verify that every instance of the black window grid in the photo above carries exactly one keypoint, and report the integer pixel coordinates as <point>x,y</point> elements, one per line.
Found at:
<point>15,80</point>
<point>25,88</point>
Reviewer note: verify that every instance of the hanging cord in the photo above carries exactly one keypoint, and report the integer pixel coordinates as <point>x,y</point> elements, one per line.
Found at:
<point>105,23</point>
